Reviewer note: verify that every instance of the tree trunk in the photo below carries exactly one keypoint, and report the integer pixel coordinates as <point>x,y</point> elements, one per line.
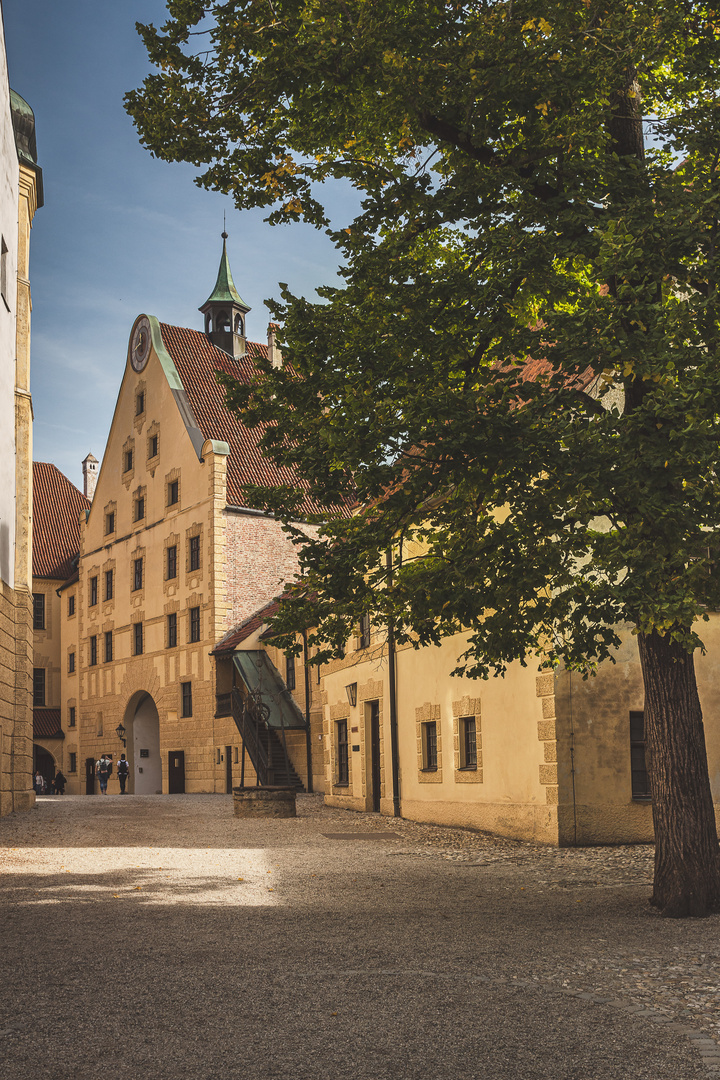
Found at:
<point>687,856</point>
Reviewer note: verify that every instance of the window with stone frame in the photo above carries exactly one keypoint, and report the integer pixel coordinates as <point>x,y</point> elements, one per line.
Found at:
<point>194,552</point>
<point>38,686</point>
<point>186,688</point>
<point>140,508</point>
<point>71,663</point>
<point>364,637</point>
<point>110,523</point>
<point>38,611</point>
<point>290,671</point>
<point>137,574</point>
<point>93,591</point>
<point>109,583</point>
<point>172,630</point>
<point>108,646</point>
<point>429,746</point>
<point>173,490</point>
<point>153,446</point>
<point>138,639</point>
<point>93,650</point>
<point>72,716</point>
<point>467,732</point>
<point>343,757</point>
<point>172,562</point>
<point>194,624</point>
<point>71,604</point>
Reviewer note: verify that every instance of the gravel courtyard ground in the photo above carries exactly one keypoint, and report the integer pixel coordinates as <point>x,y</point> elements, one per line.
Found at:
<point>161,937</point>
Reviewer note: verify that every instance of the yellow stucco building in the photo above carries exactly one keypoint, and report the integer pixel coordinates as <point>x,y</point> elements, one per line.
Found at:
<point>21,193</point>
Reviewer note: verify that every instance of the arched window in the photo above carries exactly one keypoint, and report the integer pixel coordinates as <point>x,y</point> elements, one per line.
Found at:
<point>222,322</point>
<point>207,322</point>
<point>239,324</point>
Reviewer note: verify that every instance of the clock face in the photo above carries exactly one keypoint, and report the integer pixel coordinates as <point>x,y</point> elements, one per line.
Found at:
<point>140,345</point>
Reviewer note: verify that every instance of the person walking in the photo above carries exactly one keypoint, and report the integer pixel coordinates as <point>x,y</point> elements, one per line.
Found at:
<point>103,769</point>
<point>38,783</point>
<point>60,783</point>
<point>123,768</point>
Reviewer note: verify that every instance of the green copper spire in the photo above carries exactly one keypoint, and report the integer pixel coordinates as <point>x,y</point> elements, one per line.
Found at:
<point>225,291</point>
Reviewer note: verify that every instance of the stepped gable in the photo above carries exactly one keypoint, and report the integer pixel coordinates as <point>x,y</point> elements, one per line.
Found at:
<point>197,360</point>
<point>57,505</point>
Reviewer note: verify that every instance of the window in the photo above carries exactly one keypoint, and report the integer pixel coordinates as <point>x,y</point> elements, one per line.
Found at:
<point>71,716</point>
<point>290,672</point>
<point>186,698</point>
<point>139,508</point>
<point>638,764</point>
<point>194,552</point>
<point>138,638</point>
<point>128,460</point>
<point>73,761</point>
<point>38,611</point>
<point>71,663</point>
<point>38,686</point>
<point>468,743</point>
<point>172,630</point>
<point>93,650</point>
<point>343,763</point>
<point>109,523</point>
<point>137,574</point>
<point>140,403</point>
<point>194,623</point>
<point>4,272</point>
<point>429,733</point>
<point>108,646</point>
<point>108,584</point>
<point>153,446</point>
<point>365,632</point>
<point>173,492</point>
<point>172,562</point>
<point>71,604</point>
<point>93,591</point>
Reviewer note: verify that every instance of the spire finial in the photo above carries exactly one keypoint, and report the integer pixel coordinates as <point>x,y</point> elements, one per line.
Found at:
<point>224,233</point>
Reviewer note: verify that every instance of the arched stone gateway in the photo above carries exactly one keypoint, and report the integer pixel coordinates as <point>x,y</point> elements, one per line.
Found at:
<point>142,726</point>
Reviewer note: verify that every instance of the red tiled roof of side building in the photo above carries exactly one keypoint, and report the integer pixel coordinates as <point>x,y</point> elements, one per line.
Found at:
<point>46,724</point>
<point>197,360</point>
<point>57,505</point>
<point>241,633</point>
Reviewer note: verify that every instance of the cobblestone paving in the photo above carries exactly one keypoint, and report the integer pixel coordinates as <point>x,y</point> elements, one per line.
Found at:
<point>408,921</point>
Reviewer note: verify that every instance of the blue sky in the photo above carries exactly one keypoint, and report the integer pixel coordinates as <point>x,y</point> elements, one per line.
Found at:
<point>121,233</point>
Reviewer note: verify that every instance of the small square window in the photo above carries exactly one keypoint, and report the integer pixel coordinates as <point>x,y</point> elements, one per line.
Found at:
<point>186,698</point>
<point>137,574</point>
<point>71,716</point>
<point>108,646</point>
<point>93,591</point>
<point>194,552</point>
<point>140,403</point>
<point>109,523</point>
<point>71,663</point>
<point>108,584</point>
<point>153,446</point>
<point>128,460</point>
<point>71,604</point>
<point>173,492</point>
<point>139,508</point>
<point>73,761</point>
<point>93,650</point>
<point>172,562</point>
<point>195,624</point>
<point>138,638</point>
<point>172,630</point>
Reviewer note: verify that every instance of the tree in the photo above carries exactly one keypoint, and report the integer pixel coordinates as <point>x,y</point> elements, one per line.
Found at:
<point>528,320</point>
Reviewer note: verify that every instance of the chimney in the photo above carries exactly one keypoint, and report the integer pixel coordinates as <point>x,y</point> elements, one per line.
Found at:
<point>274,354</point>
<point>90,475</point>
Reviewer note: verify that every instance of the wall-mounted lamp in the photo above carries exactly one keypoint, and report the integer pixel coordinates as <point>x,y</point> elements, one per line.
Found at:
<point>120,732</point>
<point>351,692</point>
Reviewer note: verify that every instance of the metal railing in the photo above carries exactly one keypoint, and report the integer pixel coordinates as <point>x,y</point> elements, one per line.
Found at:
<point>251,717</point>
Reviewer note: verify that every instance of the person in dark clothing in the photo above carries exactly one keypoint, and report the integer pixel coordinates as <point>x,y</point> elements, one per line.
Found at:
<point>59,783</point>
<point>123,768</point>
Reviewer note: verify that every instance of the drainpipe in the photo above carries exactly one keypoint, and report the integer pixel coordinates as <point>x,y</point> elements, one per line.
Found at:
<point>308,736</point>
<point>392,676</point>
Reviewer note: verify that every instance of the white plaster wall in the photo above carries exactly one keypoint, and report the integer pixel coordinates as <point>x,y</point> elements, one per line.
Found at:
<point>9,181</point>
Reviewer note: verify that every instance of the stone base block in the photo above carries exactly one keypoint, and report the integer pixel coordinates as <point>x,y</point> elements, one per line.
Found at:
<point>266,802</point>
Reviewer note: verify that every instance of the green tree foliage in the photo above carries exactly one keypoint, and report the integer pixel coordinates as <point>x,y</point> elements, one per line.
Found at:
<point>528,319</point>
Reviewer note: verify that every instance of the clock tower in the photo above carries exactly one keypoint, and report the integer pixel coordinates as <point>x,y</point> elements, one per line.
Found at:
<point>225,311</point>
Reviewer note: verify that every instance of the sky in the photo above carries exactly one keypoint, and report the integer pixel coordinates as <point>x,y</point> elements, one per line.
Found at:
<point>122,233</point>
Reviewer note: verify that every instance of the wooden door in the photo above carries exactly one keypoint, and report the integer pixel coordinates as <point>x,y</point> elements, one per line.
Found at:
<point>375,754</point>
<point>228,770</point>
<point>90,776</point>
<point>176,772</point>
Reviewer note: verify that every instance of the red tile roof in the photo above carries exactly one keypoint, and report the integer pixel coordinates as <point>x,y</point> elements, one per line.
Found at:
<point>46,724</point>
<point>240,633</point>
<point>57,505</point>
<point>197,360</point>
